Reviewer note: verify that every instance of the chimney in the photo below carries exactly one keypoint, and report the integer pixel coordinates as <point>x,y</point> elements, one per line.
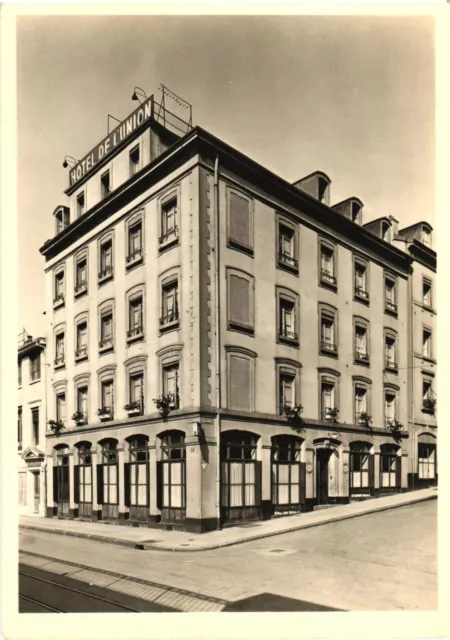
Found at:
<point>317,185</point>
<point>394,226</point>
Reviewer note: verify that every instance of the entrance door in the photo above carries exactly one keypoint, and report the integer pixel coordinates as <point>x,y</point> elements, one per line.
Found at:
<point>37,492</point>
<point>322,460</point>
<point>63,491</point>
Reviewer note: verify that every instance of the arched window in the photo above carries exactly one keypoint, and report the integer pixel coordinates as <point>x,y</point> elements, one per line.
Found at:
<point>288,481</point>
<point>241,476</point>
<point>137,480</point>
<point>83,480</point>
<point>107,480</point>
<point>172,476</point>
<point>361,468</point>
<point>390,467</point>
<point>61,480</point>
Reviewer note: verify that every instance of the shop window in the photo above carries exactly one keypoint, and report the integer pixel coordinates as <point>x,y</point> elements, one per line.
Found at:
<point>137,477</point>
<point>240,478</point>
<point>107,479</point>
<point>361,468</point>
<point>390,467</point>
<point>83,480</point>
<point>240,301</point>
<point>61,480</point>
<point>427,460</point>
<point>172,474</point>
<point>240,221</point>
<point>287,476</point>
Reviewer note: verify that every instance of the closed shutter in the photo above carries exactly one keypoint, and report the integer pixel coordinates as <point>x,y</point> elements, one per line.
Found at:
<point>258,481</point>
<point>55,484</point>
<point>159,484</point>
<point>240,301</point>
<point>240,392</point>
<point>240,219</point>
<point>398,472</point>
<point>303,483</point>
<point>76,484</point>
<point>371,471</point>
<point>126,480</point>
<point>99,484</point>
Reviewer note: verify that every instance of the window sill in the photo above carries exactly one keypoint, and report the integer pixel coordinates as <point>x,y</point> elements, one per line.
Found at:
<point>362,362</point>
<point>328,285</point>
<point>136,338</point>
<point>106,348</point>
<point>428,359</point>
<point>362,299</point>
<point>391,312</point>
<point>242,328</point>
<point>81,358</point>
<point>82,292</point>
<point>168,326</point>
<point>428,411</point>
<point>35,381</point>
<point>390,369</point>
<point>329,353</point>
<point>61,365</point>
<point>58,304</point>
<point>239,246</point>
<point>134,262</point>
<point>105,278</point>
<point>290,342</point>
<point>290,268</point>
<point>168,244</point>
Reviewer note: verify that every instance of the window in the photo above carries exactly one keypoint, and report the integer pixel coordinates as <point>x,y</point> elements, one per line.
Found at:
<point>81,204</point>
<point>356,212</point>
<point>390,467</point>
<point>426,293</point>
<point>328,330</point>
<point>361,281</point>
<point>327,264</point>
<point>58,299</point>
<point>385,231</point>
<point>426,237</point>
<point>84,473</point>
<point>287,246</point>
<point>240,301</point>
<point>19,426</point>
<point>81,276</point>
<point>361,467</point>
<point>59,223</point>
<point>240,470</point>
<point>287,391</point>
<point>427,460</point>
<point>136,393</point>
<point>135,245</point>
<point>390,407</point>
<point>106,260</point>
<point>135,164</point>
<point>106,330</point>
<point>59,349</point>
<point>35,425</point>
<point>361,401</point>
<point>109,479</point>
<point>107,399</point>
<point>19,374</point>
<point>61,407</point>
<point>390,295</point>
<point>173,472</point>
<point>328,401</point>
<point>329,397</point>
<point>171,384</point>
<point>240,378</point>
<point>35,367</point>
<point>82,402</point>
<point>288,381</point>
<point>135,320</point>
<point>390,351</point>
<point>361,333</point>
<point>169,222</point>
<point>240,221</point>
<point>285,454</point>
<point>426,343</point>
<point>428,396</point>
<point>287,320</point>
<point>138,475</point>
<point>169,312</point>
<point>81,346</point>
<point>105,184</point>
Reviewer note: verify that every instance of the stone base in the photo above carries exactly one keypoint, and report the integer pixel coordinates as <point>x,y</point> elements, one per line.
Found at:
<point>414,482</point>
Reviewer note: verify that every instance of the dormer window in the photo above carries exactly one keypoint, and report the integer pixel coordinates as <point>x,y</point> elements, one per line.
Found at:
<point>385,231</point>
<point>81,204</point>
<point>323,191</point>
<point>59,222</point>
<point>105,181</point>
<point>61,219</point>
<point>135,160</point>
<point>426,237</point>
<point>356,213</point>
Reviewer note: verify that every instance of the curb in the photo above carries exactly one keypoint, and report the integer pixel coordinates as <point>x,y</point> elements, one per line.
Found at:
<point>152,547</point>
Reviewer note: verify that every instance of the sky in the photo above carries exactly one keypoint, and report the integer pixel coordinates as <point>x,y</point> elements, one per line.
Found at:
<point>350,96</point>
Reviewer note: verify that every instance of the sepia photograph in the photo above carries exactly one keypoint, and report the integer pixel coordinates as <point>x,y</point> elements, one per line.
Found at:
<point>226,340</point>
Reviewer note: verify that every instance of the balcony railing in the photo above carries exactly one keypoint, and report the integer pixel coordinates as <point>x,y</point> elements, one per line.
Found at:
<point>329,347</point>
<point>327,277</point>
<point>391,364</point>
<point>135,332</point>
<point>390,306</point>
<point>169,318</point>
<point>360,292</point>
<point>361,355</point>
<point>287,260</point>
<point>106,272</point>
<point>134,256</point>
<point>169,236</point>
<point>288,334</point>
<point>81,352</point>
<point>81,287</point>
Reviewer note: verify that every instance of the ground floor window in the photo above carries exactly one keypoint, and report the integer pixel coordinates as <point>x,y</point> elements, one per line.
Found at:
<point>390,467</point>
<point>83,475</point>
<point>137,473</point>
<point>286,482</point>
<point>239,470</point>
<point>61,483</point>
<point>107,479</point>
<point>173,471</point>
<point>427,460</point>
<point>361,466</point>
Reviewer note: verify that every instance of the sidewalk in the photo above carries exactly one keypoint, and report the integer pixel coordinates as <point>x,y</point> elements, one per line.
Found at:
<point>145,538</point>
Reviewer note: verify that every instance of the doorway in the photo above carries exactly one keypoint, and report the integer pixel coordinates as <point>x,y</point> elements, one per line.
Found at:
<point>322,460</point>
<point>37,492</point>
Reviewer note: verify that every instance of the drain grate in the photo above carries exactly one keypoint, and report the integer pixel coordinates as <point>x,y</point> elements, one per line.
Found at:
<point>277,550</point>
<point>149,541</point>
<point>248,525</point>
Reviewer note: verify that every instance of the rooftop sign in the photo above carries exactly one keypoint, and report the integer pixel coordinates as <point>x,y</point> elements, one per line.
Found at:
<point>120,133</point>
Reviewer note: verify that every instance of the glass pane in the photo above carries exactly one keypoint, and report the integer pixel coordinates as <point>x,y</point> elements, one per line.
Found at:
<point>236,496</point>
<point>166,496</point>
<point>249,472</point>
<point>365,479</point>
<point>112,493</point>
<point>283,473</point>
<point>142,495</point>
<point>295,473</point>
<point>88,493</point>
<point>235,469</point>
<point>176,496</point>
<point>283,494</point>
<point>165,473</point>
<point>176,470</point>
<point>112,474</point>
<point>356,479</point>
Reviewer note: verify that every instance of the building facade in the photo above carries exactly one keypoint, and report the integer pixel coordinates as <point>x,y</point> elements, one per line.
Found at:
<point>224,346</point>
<point>31,429</point>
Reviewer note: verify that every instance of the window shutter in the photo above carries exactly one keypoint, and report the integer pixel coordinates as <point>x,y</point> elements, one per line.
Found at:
<point>147,477</point>
<point>55,484</point>
<point>99,484</point>
<point>398,472</point>
<point>371,471</point>
<point>159,484</point>
<point>258,480</point>
<point>302,491</point>
<point>240,219</point>
<point>240,392</point>
<point>76,484</point>
<point>126,482</point>
<point>240,300</point>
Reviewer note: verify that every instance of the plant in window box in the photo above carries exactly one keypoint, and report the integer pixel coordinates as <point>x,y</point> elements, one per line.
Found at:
<point>429,404</point>
<point>79,417</point>
<point>364,419</point>
<point>331,414</point>
<point>166,403</point>
<point>55,425</point>
<point>394,425</point>
<point>133,408</point>
<point>293,414</point>
<point>105,413</point>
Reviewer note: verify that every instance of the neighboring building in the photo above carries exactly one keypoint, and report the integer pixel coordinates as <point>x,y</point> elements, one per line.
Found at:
<point>31,429</point>
<point>184,272</point>
<point>417,240</point>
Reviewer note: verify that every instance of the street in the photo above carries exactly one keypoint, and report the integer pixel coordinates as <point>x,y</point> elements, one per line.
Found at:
<point>382,561</point>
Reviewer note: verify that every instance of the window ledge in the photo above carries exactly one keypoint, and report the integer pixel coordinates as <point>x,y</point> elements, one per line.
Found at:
<point>134,262</point>
<point>60,365</point>
<point>362,362</point>
<point>37,380</point>
<point>58,303</point>
<point>291,342</point>
<point>175,324</point>
<point>328,285</point>
<point>428,359</point>
<point>362,299</point>
<point>290,268</point>
<point>105,278</point>
<point>81,292</point>
<point>240,246</point>
<point>135,338</point>
<point>81,358</point>
<point>428,411</point>
<point>242,328</point>
<point>391,312</point>
<point>105,348</point>
<point>168,243</point>
<point>331,353</point>
<point>390,369</point>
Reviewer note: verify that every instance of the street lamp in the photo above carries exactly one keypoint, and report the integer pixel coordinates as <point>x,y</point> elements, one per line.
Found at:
<point>68,160</point>
<point>139,93</point>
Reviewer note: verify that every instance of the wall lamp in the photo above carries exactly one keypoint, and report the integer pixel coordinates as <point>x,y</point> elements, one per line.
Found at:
<point>68,160</point>
<point>139,93</point>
